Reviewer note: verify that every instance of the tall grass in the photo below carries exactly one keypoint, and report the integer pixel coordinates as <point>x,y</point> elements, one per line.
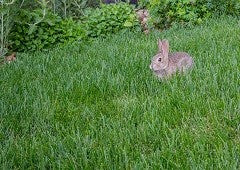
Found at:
<point>99,105</point>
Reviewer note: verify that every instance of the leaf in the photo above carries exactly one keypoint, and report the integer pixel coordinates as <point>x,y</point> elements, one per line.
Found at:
<point>128,24</point>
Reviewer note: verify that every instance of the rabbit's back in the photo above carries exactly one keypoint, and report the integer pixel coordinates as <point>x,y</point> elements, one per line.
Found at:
<point>180,60</point>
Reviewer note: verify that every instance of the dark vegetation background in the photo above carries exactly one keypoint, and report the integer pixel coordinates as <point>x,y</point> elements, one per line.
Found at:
<point>39,25</point>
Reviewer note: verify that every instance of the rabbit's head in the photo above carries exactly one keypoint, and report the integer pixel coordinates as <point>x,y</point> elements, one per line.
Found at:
<point>160,61</point>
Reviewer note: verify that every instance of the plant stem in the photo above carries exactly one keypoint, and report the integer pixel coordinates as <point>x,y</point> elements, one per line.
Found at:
<point>2,36</point>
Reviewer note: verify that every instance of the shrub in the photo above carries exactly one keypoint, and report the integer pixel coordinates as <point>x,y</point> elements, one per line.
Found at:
<point>166,12</point>
<point>229,7</point>
<point>110,19</point>
<point>32,31</point>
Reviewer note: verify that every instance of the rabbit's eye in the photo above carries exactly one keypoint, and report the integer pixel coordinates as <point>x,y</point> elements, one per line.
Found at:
<point>159,59</point>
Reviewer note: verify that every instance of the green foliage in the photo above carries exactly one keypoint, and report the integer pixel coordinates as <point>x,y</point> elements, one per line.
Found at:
<point>68,8</point>
<point>42,29</point>
<point>166,12</point>
<point>143,3</point>
<point>230,7</point>
<point>63,8</point>
<point>35,31</point>
<point>6,22</point>
<point>109,19</point>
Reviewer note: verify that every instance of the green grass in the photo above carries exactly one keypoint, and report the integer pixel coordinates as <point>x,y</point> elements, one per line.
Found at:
<point>99,106</point>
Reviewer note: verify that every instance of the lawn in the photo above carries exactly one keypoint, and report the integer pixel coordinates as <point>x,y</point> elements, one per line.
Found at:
<point>98,105</point>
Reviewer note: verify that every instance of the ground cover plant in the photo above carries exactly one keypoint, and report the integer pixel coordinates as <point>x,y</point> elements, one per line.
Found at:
<point>99,106</point>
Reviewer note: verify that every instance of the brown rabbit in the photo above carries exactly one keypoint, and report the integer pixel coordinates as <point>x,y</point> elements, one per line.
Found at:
<point>10,58</point>
<point>143,16</point>
<point>164,64</point>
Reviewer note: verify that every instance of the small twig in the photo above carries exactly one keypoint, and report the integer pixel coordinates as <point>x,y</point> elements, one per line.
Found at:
<point>39,21</point>
<point>79,6</point>
<point>22,3</point>
<point>10,2</point>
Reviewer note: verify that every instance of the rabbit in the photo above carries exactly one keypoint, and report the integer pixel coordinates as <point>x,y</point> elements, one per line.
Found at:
<point>9,59</point>
<point>165,64</point>
<point>143,16</point>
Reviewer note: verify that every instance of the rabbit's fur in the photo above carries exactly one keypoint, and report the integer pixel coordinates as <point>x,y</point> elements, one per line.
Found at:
<point>165,64</point>
<point>143,16</point>
<point>9,59</point>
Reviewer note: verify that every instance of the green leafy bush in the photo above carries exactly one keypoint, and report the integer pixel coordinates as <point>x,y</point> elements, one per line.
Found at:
<point>229,7</point>
<point>33,31</point>
<point>166,12</point>
<point>110,19</point>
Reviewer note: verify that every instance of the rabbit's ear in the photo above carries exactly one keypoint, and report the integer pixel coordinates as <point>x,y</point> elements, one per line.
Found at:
<point>159,45</point>
<point>165,48</point>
